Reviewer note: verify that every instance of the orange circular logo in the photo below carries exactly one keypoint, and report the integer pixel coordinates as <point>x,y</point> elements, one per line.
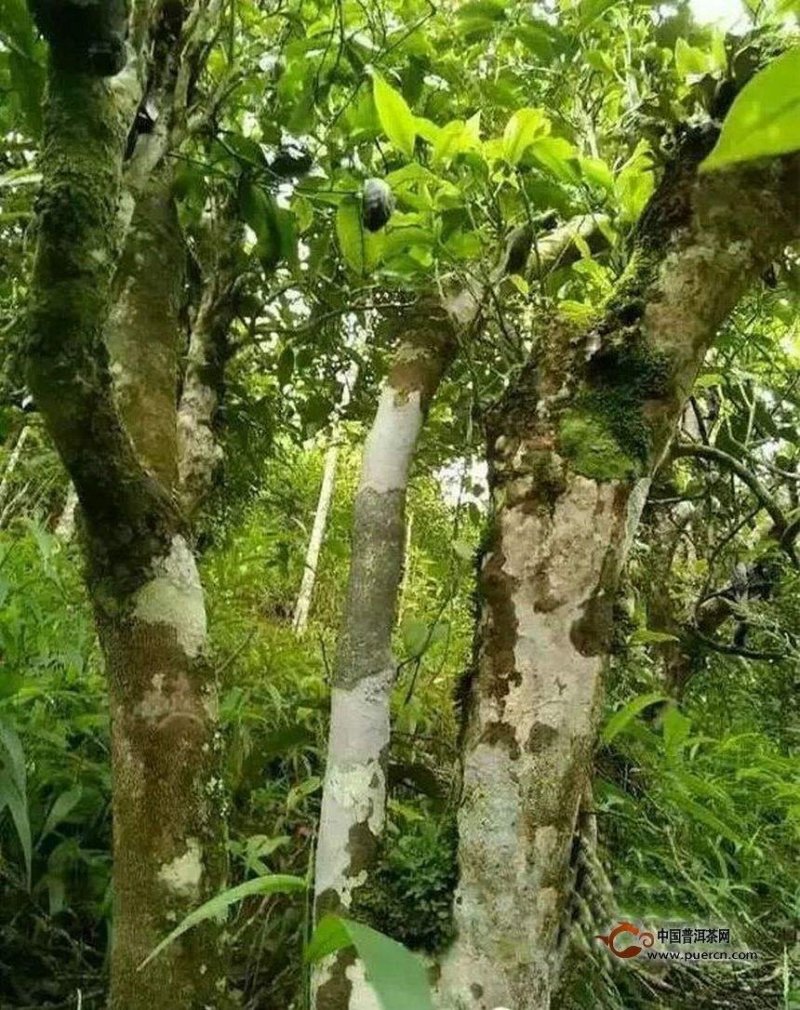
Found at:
<point>645,939</point>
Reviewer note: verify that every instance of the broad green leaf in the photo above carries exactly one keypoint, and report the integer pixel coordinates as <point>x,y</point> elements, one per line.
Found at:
<point>260,211</point>
<point>691,61</point>
<point>558,156</point>
<point>764,120</point>
<point>220,903</point>
<point>415,634</point>
<point>520,132</point>
<point>634,183</point>
<point>330,935</point>
<point>397,976</point>
<point>597,171</point>
<point>591,10</point>
<point>360,248</point>
<point>492,10</point>
<point>397,119</point>
<point>61,809</point>
<point>619,720</point>
<point>456,138</point>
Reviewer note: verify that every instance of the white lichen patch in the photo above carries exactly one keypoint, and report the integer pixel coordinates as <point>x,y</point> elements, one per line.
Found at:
<point>362,995</point>
<point>182,876</point>
<point>391,441</point>
<point>354,788</point>
<point>174,597</point>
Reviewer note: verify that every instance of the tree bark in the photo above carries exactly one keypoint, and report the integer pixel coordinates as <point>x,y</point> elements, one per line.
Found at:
<point>143,330</point>
<point>570,453</point>
<point>354,793</point>
<point>11,465</point>
<point>168,831</point>
<point>200,455</point>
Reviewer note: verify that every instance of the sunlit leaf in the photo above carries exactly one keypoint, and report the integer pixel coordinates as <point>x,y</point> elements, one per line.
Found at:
<point>764,119</point>
<point>220,903</point>
<point>397,119</point>
<point>520,132</point>
<point>360,248</point>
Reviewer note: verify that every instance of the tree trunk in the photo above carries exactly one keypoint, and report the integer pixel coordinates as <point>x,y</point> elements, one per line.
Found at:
<point>11,465</point>
<point>169,853</point>
<point>168,829</point>
<point>306,593</point>
<point>303,605</point>
<point>570,451</point>
<point>200,455</point>
<point>354,794</point>
<point>65,527</point>
<point>143,329</point>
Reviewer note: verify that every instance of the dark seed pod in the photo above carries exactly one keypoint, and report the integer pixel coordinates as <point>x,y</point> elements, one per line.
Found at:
<point>377,204</point>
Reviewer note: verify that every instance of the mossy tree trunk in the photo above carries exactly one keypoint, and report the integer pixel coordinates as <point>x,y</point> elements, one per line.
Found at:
<point>168,825</point>
<point>570,451</point>
<point>354,794</point>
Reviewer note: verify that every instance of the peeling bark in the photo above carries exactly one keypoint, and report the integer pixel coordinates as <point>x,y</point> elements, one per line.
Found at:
<point>570,450</point>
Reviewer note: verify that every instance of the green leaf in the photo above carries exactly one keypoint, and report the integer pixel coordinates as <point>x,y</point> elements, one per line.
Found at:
<point>415,634</point>
<point>635,183</point>
<point>360,248</point>
<point>619,720</point>
<point>397,976</point>
<point>676,728</point>
<point>764,120</point>
<point>691,61</point>
<point>558,156</point>
<point>395,116</point>
<point>644,636</point>
<point>13,758</point>
<point>521,130</point>
<point>11,797</point>
<point>260,211</point>
<point>61,809</point>
<point>220,903</point>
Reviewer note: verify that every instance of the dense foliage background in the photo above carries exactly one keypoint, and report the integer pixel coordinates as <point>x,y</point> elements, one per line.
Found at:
<point>564,110</point>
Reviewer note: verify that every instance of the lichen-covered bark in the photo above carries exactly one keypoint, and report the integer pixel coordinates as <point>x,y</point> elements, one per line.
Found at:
<point>354,793</point>
<point>570,451</point>
<point>144,329</point>
<point>199,452</point>
<point>141,575</point>
<point>169,854</point>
